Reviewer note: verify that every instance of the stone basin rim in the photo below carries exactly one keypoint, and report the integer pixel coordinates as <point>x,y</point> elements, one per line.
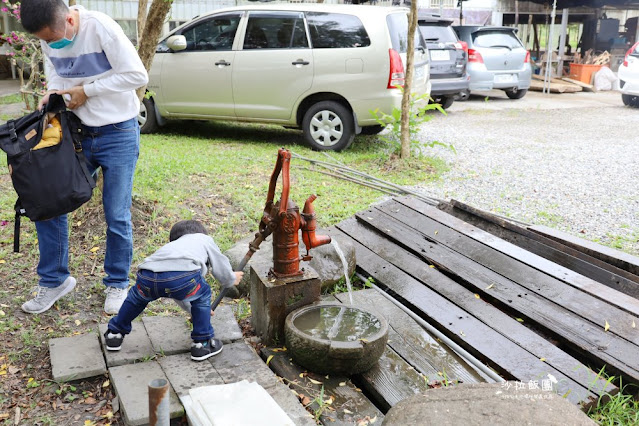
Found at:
<point>296,313</point>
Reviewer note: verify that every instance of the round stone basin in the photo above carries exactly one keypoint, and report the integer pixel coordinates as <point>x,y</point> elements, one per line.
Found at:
<point>332,338</point>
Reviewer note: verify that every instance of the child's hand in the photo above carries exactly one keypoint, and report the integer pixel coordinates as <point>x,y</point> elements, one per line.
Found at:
<point>238,277</point>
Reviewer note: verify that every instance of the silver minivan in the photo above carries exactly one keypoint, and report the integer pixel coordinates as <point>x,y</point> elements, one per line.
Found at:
<point>496,59</point>
<point>321,68</point>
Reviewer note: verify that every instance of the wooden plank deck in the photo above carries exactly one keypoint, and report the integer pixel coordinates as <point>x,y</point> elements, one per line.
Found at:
<point>583,335</point>
<point>469,321</point>
<point>553,250</point>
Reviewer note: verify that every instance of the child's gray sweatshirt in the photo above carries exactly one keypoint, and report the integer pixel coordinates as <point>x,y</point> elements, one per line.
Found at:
<point>191,252</point>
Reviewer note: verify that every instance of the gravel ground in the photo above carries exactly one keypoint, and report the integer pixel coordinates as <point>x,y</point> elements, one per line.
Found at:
<point>572,169</point>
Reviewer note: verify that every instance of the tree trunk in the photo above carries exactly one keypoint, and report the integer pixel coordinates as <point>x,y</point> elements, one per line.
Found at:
<point>410,54</point>
<point>142,6</point>
<point>152,31</point>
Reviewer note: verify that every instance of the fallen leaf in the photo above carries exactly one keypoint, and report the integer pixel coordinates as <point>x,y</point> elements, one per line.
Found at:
<point>78,322</point>
<point>436,232</point>
<point>477,296</point>
<point>315,382</point>
<point>2,313</point>
<point>306,400</point>
<point>490,286</point>
<point>282,349</point>
<point>90,400</point>
<point>4,306</point>
<point>462,333</point>
<point>633,324</point>
<point>347,411</point>
<point>431,266</point>
<point>108,415</point>
<point>363,340</point>
<point>3,261</point>
<point>106,384</point>
<point>542,359</point>
<point>519,319</point>
<point>94,249</point>
<point>342,383</point>
<point>302,375</point>
<point>270,357</point>
<point>358,390</point>
<point>607,326</point>
<point>78,223</point>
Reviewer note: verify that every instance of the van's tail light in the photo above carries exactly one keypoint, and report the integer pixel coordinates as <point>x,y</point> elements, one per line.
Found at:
<point>475,56</point>
<point>396,76</point>
<point>464,46</point>
<point>527,58</point>
<point>629,52</point>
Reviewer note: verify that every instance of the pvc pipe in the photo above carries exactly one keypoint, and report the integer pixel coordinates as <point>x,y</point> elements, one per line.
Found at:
<point>159,414</point>
<point>454,346</point>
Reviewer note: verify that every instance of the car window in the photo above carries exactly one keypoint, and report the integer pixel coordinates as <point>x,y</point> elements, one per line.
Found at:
<point>216,33</point>
<point>336,30</point>
<point>438,33</point>
<point>398,27</point>
<point>496,39</point>
<point>275,30</point>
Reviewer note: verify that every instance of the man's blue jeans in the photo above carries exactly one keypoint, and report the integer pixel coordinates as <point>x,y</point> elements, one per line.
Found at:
<point>114,148</point>
<point>188,286</point>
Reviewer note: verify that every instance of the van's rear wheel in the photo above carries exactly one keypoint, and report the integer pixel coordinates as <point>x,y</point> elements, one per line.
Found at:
<point>516,94</point>
<point>146,117</point>
<point>328,125</point>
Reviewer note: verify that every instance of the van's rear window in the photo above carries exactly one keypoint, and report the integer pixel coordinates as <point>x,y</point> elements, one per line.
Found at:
<point>336,30</point>
<point>398,27</point>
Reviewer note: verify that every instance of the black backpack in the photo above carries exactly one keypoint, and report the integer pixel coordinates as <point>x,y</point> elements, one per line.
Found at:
<point>50,181</point>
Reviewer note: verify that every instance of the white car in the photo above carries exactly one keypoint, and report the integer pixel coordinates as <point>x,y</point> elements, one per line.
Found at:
<point>629,77</point>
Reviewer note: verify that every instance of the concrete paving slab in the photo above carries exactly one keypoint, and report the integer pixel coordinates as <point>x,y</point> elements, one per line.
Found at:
<point>168,335</point>
<point>76,357</point>
<point>185,374</point>
<point>131,385</point>
<point>508,403</point>
<point>225,325</point>
<point>136,346</point>
<point>286,399</point>
<point>238,361</point>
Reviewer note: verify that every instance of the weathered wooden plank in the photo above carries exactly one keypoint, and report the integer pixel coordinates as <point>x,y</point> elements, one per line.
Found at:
<point>349,406</point>
<point>391,380</point>
<point>408,339</point>
<point>498,256</point>
<point>494,349</point>
<point>547,248</point>
<point>618,258</point>
<point>368,240</point>
<point>604,347</point>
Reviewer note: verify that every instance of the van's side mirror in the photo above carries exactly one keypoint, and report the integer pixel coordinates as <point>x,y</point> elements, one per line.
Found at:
<point>176,43</point>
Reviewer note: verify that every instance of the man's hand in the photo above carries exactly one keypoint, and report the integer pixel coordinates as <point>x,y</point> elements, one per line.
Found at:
<point>45,99</point>
<point>238,277</point>
<point>78,97</point>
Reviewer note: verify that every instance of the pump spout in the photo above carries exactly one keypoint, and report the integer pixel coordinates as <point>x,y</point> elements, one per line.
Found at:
<point>308,227</point>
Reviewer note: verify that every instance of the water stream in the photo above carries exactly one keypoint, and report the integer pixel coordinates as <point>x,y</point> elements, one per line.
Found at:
<point>340,253</point>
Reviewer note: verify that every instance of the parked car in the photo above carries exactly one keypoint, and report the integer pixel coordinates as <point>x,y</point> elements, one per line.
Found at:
<point>629,77</point>
<point>322,68</point>
<point>496,59</point>
<point>448,59</point>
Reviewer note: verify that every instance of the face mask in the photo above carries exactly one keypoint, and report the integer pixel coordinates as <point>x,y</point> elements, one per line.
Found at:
<point>63,42</point>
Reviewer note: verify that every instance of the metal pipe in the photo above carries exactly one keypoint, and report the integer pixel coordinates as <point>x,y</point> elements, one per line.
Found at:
<point>454,346</point>
<point>159,414</point>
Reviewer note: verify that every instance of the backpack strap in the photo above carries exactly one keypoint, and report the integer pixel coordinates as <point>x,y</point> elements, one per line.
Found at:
<point>11,124</point>
<point>16,227</point>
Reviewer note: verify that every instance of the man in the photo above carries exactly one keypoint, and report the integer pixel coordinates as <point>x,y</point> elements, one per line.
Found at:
<point>90,61</point>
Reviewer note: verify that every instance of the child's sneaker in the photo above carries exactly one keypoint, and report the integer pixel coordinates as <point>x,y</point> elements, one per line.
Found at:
<point>113,340</point>
<point>203,350</point>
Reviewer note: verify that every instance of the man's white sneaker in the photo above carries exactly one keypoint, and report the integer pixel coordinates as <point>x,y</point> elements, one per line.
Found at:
<point>114,299</point>
<point>46,297</point>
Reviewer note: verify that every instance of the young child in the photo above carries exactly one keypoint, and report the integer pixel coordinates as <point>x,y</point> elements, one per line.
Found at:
<point>177,271</point>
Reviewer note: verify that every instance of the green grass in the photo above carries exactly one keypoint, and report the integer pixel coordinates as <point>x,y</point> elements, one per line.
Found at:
<point>620,409</point>
<point>11,99</point>
<point>220,173</point>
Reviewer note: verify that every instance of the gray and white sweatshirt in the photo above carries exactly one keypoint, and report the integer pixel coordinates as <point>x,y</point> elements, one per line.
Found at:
<point>103,60</point>
<point>191,252</point>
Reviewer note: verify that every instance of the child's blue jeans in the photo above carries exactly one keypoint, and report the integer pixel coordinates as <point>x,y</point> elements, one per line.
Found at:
<point>188,286</point>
